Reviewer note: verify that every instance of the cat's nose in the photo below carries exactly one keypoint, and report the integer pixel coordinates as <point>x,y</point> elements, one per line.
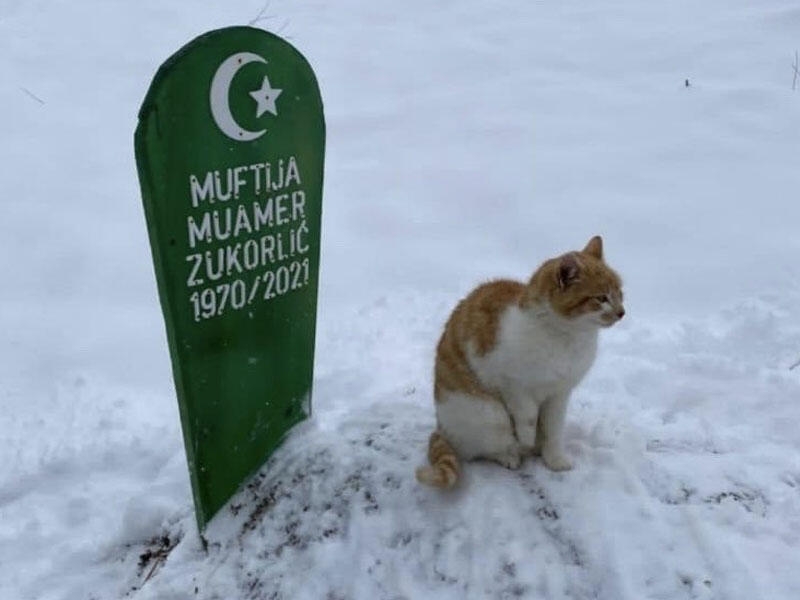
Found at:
<point>620,313</point>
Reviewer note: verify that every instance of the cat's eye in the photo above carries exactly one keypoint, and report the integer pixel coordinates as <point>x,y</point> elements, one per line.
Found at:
<point>602,299</point>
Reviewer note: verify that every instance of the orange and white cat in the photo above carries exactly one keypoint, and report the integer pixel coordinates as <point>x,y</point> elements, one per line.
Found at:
<point>508,359</point>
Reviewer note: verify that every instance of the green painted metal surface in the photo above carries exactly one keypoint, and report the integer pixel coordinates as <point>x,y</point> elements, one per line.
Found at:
<point>230,150</point>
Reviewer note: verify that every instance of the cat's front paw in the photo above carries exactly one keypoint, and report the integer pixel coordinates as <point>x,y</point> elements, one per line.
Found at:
<point>529,451</point>
<point>556,461</point>
<point>510,460</point>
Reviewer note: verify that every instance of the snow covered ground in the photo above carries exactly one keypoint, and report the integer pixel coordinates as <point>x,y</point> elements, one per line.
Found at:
<point>466,140</point>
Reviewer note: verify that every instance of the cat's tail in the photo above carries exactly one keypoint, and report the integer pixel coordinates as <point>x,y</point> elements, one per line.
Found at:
<point>444,469</point>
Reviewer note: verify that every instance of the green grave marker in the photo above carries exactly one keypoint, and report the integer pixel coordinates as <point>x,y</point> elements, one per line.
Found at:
<point>230,151</point>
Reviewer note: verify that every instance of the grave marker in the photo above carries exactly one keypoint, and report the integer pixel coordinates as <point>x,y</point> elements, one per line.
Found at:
<point>230,150</point>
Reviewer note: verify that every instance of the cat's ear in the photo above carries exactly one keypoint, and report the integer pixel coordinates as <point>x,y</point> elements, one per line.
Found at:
<point>595,247</point>
<point>569,271</point>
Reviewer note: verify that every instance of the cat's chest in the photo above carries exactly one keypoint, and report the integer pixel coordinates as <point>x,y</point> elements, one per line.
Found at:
<point>530,354</point>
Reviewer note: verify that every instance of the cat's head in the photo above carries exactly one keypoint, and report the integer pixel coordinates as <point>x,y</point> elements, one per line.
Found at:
<point>580,287</point>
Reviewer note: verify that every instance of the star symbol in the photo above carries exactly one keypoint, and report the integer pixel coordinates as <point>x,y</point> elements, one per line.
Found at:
<point>266,97</point>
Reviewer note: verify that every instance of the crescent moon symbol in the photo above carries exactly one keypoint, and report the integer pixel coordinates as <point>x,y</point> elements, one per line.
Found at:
<point>220,86</point>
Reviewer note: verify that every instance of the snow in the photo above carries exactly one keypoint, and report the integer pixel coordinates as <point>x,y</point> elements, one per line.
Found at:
<point>466,140</point>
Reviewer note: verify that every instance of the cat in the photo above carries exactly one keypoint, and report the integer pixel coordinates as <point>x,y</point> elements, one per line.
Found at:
<point>508,359</point>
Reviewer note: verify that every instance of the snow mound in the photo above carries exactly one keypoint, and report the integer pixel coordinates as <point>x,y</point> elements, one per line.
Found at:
<point>686,482</point>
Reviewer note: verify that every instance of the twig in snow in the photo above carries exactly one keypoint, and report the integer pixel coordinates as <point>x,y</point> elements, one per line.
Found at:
<point>261,16</point>
<point>157,554</point>
<point>156,563</point>
<point>282,27</point>
<point>795,365</point>
<point>32,95</point>
<point>795,66</point>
